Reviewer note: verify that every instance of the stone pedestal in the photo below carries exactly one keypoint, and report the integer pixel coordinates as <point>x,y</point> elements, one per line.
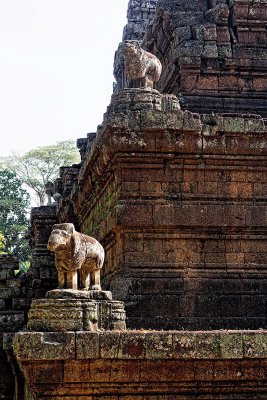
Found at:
<point>75,310</point>
<point>142,99</point>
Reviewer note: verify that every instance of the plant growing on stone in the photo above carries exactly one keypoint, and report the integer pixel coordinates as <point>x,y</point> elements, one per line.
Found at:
<point>24,266</point>
<point>2,244</point>
<point>14,204</point>
<point>40,165</point>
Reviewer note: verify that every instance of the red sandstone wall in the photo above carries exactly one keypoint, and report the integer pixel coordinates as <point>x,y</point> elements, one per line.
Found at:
<point>213,53</point>
<point>179,204</point>
<point>144,365</point>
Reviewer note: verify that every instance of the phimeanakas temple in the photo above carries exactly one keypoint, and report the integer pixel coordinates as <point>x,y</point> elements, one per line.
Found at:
<point>172,188</point>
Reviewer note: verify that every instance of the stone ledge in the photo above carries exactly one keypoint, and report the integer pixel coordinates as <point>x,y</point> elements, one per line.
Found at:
<point>186,121</point>
<point>79,294</point>
<point>147,345</point>
<point>44,346</point>
<point>173,132</point>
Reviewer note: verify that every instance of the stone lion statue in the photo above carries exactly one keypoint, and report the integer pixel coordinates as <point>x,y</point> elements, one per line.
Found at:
<point>49,191</point>
<point>76,254</point>
<point>139,64</point>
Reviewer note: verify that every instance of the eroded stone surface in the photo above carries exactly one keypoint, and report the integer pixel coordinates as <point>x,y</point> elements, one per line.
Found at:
<point>169,364</point>
<point>213,53</point>
<point>14,303</point>
<point>79,294</point>
<point>185,196</point>
<point>74,311</point>
<point>143,345</point>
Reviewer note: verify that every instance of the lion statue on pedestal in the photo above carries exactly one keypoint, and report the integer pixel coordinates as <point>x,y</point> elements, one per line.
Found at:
<point>140,65</point>
<point>79,258</point>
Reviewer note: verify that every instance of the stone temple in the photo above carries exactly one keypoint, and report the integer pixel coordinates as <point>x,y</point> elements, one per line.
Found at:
<point>173,185</point>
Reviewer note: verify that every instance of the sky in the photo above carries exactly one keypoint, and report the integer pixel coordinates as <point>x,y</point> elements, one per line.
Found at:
<point>56,69</point>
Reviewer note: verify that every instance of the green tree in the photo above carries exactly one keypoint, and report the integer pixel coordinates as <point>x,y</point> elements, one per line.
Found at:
<point>2,243</point>
<point>40,165</point>
<point>14,203</point>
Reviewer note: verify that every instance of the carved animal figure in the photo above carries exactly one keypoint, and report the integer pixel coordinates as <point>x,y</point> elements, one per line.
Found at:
<point>76,252</point>
<point>50,191</point>
<point>140,64</point>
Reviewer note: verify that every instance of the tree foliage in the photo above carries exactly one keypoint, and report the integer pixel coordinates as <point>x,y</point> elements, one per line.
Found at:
<point>40,165</point>
<point>14,203</point>
<point>2,243</point>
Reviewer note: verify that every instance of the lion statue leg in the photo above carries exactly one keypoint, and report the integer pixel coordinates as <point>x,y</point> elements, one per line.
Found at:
<point>61,279</point>
<point>84,279</point>
<point>148,82</point>
<point>95,279</point>
<point>72,280</point>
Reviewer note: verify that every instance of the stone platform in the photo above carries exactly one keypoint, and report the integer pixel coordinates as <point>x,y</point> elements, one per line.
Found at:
<point>76,310</point>
<point>144,365</point>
